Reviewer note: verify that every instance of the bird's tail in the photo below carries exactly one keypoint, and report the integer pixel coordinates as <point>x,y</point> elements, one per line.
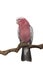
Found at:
<point>26,54</point>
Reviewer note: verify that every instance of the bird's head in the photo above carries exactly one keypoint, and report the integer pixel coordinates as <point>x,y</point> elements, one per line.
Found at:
<point>22,21</point>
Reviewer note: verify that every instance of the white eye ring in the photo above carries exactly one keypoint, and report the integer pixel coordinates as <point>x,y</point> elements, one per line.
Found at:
<point>18,19</point>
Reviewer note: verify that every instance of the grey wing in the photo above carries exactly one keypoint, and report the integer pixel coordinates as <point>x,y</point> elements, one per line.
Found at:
<point>31,32</point>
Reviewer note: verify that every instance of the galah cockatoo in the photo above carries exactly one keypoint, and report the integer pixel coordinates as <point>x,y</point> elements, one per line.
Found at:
<point>25,34</point>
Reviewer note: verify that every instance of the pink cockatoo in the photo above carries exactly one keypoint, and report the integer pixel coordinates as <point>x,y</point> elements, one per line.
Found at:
<point>25,34</point>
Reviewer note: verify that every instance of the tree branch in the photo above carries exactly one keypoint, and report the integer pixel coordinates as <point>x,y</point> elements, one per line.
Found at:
<point>19,47</point>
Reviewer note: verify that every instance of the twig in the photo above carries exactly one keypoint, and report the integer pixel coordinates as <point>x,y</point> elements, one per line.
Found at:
<point>19,47</point>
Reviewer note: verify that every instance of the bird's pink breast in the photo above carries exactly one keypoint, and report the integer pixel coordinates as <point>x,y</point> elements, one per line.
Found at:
<point>25,34</point>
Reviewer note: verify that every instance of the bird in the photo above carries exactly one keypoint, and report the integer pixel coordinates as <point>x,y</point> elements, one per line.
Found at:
<point>25,34</point>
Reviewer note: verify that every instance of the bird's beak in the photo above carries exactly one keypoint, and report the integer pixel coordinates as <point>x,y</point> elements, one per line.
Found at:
<point>17,21</point>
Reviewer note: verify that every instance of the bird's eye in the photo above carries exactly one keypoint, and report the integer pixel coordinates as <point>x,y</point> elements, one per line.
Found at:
<point>18,20</point>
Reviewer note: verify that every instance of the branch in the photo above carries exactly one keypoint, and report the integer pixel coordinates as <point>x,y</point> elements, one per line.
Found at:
<point>19,47</point>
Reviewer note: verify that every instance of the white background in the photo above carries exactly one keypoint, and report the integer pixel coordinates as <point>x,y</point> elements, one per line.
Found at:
<point>10,10</point>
